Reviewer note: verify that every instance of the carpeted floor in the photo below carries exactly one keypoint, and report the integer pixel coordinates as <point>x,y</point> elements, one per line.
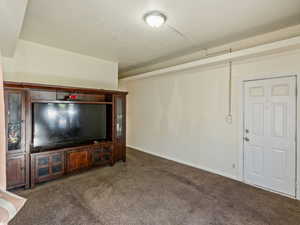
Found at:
<point>148,190</point>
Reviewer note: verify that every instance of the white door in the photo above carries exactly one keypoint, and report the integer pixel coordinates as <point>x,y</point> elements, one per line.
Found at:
<point>270,134</point>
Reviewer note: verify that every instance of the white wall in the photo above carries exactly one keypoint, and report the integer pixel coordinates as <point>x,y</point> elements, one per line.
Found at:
<point>2,135</point>
<point>181,116</point>
<point>36,63</point>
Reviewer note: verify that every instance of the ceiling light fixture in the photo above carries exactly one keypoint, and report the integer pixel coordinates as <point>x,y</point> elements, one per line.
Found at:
<point>155,19</point>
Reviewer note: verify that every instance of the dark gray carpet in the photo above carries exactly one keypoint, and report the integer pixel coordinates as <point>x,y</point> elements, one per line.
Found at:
<point>148,190</point>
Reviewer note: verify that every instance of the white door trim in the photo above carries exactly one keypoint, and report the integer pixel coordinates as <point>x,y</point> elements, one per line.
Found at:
<point>240,83</point>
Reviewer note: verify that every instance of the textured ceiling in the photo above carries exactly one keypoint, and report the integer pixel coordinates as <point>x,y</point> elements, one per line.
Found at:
<point>114,30</point>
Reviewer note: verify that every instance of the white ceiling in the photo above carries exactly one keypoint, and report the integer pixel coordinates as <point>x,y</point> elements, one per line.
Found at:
<point>11,19</point>
<point>114,30</point>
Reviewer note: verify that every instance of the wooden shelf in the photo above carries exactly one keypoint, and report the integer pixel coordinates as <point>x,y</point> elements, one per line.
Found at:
<point>36,86</point>
<point>101,143</point>
<point>71,102</point>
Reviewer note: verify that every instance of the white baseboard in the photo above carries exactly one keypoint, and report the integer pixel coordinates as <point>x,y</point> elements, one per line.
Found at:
<point>218,172</point>
<point>221,173</point>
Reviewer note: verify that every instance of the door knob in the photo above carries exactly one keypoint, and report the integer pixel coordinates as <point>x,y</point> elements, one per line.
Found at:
<point>246,139</point>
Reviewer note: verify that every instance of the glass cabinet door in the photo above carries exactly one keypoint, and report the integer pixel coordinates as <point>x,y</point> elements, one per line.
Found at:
<point>57,163</point>
<point>47,166</point>
<point>120,118</point>
<point>14,120</point>
<point>120,129</point>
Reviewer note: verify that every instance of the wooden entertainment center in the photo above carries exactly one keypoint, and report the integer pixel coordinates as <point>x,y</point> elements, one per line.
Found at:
<point>27,166</point>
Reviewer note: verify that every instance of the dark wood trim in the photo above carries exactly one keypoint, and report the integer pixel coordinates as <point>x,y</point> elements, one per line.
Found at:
<point>74,148</point>
<point>32,171</point>
<point>28,136</point>
<point>113,129</point>
<point>10,84</point>
<point>125,128</point>
<point>71,102</point>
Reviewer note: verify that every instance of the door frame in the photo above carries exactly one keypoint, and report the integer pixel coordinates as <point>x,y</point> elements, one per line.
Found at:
<point>241,85</point>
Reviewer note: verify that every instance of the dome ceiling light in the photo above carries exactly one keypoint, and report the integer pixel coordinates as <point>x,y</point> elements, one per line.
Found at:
<point>155,19</point>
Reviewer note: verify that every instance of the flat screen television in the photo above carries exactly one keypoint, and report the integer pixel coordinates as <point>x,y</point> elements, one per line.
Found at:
<point>58,125</point>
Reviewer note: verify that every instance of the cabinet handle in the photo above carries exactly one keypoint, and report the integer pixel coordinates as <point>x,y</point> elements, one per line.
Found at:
<point>246,139</point>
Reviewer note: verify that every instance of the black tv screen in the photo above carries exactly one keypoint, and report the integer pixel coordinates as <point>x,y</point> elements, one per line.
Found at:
<point>67,124</point>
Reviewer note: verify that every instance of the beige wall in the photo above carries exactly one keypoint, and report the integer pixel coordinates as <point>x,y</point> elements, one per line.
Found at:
<point>36,63</point>
<point>181,116</point>
<point>2,135</point>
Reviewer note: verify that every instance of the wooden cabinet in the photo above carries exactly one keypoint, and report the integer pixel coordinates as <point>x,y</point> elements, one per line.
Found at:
<point>15,171</point>
<point>24,161</point>
<point>78,160</point>
<point>102,155</point>
<point>50,165</point>
<point>120,127</point>
<point>93,155</point>
<point>47,166</point>
<point>17,159</point>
